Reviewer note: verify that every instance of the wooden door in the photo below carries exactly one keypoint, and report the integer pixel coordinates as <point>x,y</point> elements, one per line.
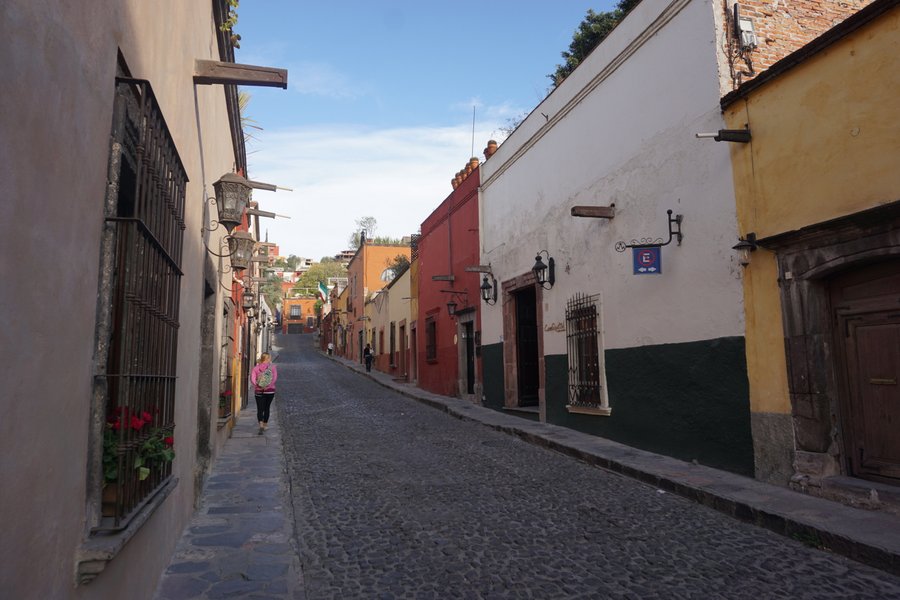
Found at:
<point>866,305</point>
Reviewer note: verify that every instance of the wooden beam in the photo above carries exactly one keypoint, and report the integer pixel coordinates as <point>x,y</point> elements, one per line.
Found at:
<point>595,212</point>
<point>208,72</point>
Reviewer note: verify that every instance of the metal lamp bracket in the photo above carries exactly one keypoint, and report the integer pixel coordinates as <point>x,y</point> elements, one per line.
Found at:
<point>674,233</point>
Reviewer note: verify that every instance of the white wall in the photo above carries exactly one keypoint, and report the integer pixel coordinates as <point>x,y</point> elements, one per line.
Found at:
<point>629,141</point>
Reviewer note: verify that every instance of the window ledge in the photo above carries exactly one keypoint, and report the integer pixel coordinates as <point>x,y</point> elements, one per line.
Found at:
<point>98,550</point>
<point>589,410</point>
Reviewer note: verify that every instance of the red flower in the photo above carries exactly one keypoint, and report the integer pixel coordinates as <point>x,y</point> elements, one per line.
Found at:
<point>116,425</point>
<point>168,440</point>
<point>136,423</point>
<point>226,393</point>
<point>147,417</point>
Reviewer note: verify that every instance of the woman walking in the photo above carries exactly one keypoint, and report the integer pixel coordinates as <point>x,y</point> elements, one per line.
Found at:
<point>263,378</point>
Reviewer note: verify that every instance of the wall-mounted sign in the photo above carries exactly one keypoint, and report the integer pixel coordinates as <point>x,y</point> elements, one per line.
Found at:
<point>647,261</point>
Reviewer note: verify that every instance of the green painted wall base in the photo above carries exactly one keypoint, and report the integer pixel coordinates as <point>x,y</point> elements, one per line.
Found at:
<point>688,400</point>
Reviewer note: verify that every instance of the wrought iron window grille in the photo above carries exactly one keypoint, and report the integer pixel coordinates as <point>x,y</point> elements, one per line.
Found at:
<point>582,333</point>
<point>145,222</point>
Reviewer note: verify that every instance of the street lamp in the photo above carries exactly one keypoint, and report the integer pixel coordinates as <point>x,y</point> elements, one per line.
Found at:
<point>241,244</point>
<point>232,196</point>
<point>545,274</point>
<point>488,290</point>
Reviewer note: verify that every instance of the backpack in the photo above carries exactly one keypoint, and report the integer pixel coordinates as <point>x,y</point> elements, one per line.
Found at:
<point>264,378</point>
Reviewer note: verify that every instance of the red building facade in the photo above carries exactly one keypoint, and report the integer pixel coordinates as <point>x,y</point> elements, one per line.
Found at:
<point>448,355</point>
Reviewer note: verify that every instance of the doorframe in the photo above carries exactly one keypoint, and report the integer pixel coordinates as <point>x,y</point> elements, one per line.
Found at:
<point>807,260</point>
<point>464,318</point>
<point>510,356</point>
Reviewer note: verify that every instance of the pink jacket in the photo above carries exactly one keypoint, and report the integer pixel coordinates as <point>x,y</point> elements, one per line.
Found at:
<point>254,376</point>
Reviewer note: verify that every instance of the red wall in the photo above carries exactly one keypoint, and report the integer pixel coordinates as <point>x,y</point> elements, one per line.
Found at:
<point>449,243</point>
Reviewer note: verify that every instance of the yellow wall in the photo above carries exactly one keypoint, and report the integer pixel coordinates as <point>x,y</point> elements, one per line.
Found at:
<point>825,145</point>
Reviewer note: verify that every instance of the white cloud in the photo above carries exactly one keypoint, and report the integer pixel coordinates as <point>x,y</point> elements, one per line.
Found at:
<point>341,173</point>
<point>320,79</point>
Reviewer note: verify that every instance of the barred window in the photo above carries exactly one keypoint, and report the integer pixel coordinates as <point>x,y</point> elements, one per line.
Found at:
<point>430,339</point>
<point>296,311</point>
<point>310,322</point>
<point>586,390</point>
<point>143,244</point>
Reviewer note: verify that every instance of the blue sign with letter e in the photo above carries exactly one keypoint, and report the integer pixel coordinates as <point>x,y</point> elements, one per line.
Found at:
<point>647,261</point>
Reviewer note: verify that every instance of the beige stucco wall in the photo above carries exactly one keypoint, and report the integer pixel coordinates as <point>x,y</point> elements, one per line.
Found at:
<point>825,145</point>
<point>59,61</point>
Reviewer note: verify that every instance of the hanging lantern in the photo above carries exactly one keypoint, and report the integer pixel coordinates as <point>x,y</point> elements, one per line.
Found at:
<point>241,245</point>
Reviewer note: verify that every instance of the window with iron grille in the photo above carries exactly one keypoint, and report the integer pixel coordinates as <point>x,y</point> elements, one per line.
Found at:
<point>142,243</point>
<point>393,343</point>
<point>310,322</point>
<point>586,390</point>
<point>430,339</point>
<point>296,311</point>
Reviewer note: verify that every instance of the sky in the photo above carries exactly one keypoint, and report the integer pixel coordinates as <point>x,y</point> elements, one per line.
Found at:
<point>378,114</point>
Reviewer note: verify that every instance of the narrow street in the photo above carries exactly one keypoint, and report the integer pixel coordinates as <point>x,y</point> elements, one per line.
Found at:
<point>394,499</point>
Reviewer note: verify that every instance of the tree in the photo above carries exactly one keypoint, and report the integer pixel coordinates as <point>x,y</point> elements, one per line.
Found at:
<point>317,272</point>
<point>271,290</point>
<point>592,30</point>
<point>367,224</point>
<point>292,261</point>
<point>398,265</point>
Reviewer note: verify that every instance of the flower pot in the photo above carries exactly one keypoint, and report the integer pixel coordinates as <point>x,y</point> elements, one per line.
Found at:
<point>109,499</point>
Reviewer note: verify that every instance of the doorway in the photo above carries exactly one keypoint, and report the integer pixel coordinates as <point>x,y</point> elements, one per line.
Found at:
<point>469,333</point>
<point>865,305</point>
<point>527,347</point>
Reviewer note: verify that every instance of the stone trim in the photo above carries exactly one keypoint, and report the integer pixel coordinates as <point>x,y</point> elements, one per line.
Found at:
<point>510,366</point>
<point>807,258</point>
<point>96,551</point>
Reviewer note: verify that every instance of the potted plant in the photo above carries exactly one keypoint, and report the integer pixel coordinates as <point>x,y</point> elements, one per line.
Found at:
<point>224,404</point>
<point>153,448</point>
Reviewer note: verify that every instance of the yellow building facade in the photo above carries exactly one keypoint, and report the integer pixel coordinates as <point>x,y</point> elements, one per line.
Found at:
<point>818,198</point>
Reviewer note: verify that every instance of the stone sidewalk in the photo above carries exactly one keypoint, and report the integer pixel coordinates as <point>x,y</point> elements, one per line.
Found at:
<point>870,537</point>
<point>240,542</point>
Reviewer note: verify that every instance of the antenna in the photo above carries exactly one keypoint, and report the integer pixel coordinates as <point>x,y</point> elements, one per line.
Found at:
<point>473,130</point>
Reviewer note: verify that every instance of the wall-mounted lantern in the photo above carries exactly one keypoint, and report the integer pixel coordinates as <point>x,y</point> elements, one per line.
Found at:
<point>241,244</point>
<point>451,307</point>
<point>744,247</point>
<point>232,196</point>
<point>545,274</point>
<point>488,290</point>
<point>247,299</point>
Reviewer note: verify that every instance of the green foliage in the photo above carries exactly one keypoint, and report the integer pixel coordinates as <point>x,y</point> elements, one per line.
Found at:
<point>271,290</point>
<point>231,19</point>
<point>387,241</point>
<point>593,29</point>
<point>156,449</point>
<point>317,272</point>
<point>399,265</point>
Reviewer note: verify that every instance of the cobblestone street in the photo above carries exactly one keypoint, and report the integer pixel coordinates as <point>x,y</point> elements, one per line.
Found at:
<point>394,499</point>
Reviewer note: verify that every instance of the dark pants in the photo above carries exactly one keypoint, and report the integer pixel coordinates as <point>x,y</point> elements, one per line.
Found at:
<point>263,403</point>
<point>368,363</point>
